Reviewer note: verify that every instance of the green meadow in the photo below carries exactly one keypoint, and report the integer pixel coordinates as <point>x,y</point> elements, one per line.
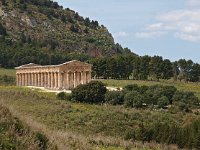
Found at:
<point>85,126</point>
<point>8,72</point>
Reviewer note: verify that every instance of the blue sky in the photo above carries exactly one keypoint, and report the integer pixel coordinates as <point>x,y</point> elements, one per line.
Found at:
<point>169,28</point>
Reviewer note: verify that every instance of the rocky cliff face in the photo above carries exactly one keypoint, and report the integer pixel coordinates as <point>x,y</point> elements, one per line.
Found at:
<point>48,25</point>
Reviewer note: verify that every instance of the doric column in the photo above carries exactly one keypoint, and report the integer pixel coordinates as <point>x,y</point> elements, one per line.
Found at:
<point>39,79</point>
<point>77,78</point>
<point>81,77</point>
<point>29,79</point>
<point>42,80</point>
<point>49,80</point>
<point>74,80</point>
<point>36,79</point>
<point>70,80</point>
<point>22,79</point>
<point>21,84</point>
<point>32,81</point>
<point>52,80</point>
<point>84,77</point>
<point>59,80</point>
<point>65,80</point>
<point>45,79</point>
<point>25,81</point>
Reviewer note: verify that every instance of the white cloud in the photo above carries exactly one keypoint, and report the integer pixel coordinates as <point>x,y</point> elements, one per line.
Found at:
<point>183,24</point>
<point>149,34</point>
<point>121,34</point>
<point>193,3</point>
<point>188,37</point>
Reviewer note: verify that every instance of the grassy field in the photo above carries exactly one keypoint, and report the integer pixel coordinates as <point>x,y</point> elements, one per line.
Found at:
<point>192,87</point>
<point>8,72</point>
<point>16,135</point>
<point>85,126</point>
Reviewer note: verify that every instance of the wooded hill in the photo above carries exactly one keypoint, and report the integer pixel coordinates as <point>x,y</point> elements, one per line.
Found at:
<point>43,32</point>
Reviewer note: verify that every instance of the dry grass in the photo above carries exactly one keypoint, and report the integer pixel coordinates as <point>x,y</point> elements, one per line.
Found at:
<point>17,135</point>
<point>62,122</point>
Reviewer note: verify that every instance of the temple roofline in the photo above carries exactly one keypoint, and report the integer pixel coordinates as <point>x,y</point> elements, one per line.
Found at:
<point>32,65</point>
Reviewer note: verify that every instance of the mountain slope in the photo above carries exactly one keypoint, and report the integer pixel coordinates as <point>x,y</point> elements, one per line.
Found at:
<point>44,25</point>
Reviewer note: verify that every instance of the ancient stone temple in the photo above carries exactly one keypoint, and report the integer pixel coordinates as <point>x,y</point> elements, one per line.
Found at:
<point>64,76</point>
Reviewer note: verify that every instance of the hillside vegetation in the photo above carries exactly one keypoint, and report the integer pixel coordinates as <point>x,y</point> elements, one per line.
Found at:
<point>90,126</point>
<point>84,126</point>
<point>15,135</point>
<point>43,32</point>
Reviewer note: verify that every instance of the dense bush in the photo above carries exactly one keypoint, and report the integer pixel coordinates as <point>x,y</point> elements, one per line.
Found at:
<point>135,96</point>
<point>163,102</point>
<point>43,140</point>
<point>114,97</point>
<point>61,96</point>
<point>187,136</point>
<point>132,87</point>
<point>186,97</point>
<point>93,92</point>
<point>161,96</point>
<point>133,99</point>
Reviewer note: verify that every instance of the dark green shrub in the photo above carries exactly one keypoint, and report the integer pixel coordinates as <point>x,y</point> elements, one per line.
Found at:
<point>183,107</point>
<point>62,96</point>
<point>133,99</point>
<point>169,92</point>
<point>43,141</point>
<point>130,135</point>
<point>68,97</point>
<point>186,97</point>
<point>93,92</point>
<point>163,102</point>
<point>19,128</point>
<point>114,97</point>
<point>132,87</point>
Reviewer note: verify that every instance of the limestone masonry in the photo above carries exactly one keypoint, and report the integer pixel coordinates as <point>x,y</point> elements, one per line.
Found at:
<point>64,76</point>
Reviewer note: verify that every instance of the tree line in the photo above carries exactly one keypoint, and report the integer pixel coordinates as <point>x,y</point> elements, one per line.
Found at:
<point>145,68</point>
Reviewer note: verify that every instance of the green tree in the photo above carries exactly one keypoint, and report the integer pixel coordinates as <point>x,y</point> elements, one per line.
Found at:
<point>163,102</point>
<point>175,70</point>
<point>114,97</point>
<point>93,92</point>
<point>133,99</point>
<point>156,67</point>
<point>167,69</point>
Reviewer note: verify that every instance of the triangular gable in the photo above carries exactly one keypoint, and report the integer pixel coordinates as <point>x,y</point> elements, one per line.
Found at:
<point>28,65</point>
<point>75,62</point>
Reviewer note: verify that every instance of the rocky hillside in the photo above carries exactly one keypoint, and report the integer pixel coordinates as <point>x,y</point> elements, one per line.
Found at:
<point>44,25</point>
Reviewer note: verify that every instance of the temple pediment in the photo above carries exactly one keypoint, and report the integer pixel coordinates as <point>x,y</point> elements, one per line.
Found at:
<point>75,63</point>
<point>28,65</point>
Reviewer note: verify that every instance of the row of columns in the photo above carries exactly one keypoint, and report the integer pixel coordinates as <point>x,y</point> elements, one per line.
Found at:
<point>53,80</point>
